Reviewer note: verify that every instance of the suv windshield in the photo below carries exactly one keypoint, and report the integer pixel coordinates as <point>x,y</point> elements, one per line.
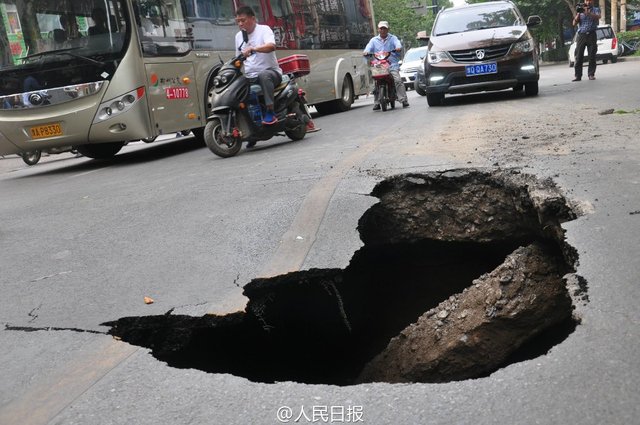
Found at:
<point>38,32</point>
<point>476,18</point>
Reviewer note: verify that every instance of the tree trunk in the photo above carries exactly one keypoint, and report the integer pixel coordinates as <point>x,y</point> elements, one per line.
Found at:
<point>623,15</point>
<point>614,15</point>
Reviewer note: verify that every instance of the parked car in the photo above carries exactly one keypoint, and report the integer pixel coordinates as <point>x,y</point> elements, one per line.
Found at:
<point>420,84</point>
<point>481,47</point>
<point>410,63</point>
<point>608,49</point>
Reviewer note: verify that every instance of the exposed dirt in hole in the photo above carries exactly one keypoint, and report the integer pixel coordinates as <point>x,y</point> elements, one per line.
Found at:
<point>460,273</point>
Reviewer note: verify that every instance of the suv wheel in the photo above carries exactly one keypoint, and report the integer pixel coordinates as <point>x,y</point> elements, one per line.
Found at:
<point>531,89</point>
<point>435,99</point>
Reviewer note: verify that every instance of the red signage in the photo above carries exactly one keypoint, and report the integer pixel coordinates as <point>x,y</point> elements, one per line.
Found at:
<point>177,92</point>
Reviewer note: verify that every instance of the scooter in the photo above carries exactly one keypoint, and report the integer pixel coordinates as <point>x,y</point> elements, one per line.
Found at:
<point>384,85</point>
<point>237,111</point>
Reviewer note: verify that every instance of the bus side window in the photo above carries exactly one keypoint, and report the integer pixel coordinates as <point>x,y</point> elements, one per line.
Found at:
<point>162,27</point>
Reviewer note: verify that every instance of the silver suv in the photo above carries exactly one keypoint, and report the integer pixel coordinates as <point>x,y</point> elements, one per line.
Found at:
<point>481,47</point>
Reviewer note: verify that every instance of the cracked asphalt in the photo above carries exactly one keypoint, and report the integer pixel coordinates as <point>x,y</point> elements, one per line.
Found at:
<point>83,242</point>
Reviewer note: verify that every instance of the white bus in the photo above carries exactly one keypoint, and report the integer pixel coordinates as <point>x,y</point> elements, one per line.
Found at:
<point>96,74</point>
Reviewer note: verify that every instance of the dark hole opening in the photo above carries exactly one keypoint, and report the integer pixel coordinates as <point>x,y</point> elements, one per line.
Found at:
<point>417,275</point>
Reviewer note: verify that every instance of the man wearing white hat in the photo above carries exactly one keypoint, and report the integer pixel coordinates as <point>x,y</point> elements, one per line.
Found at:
<point>386,42</point>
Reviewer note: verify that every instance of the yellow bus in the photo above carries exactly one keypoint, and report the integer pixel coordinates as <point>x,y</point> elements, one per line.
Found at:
<point>95,74</point>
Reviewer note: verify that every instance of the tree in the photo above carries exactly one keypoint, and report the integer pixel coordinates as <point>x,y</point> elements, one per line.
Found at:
<point>403,20</point>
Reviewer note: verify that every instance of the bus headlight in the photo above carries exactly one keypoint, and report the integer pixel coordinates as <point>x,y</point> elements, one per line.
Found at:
<point>119,105</point>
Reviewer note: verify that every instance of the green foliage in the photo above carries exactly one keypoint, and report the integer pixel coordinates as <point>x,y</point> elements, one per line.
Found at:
<point>556,16</point>
<point>556,55</point>
<point>404,22</point>
<point>629,35</point>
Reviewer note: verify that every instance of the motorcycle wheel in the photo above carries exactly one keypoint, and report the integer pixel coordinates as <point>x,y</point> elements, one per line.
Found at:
<point>383,98</point>
<point>297,133</point>
<point>393,96</point>
<point>31,157</point>
<point>224,147</point>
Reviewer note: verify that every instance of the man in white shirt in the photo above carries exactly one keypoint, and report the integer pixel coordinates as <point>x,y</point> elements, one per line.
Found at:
<point>261,63</point>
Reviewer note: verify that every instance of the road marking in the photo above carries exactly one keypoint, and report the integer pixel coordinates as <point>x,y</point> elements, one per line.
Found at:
<point>85,173</point>
<point>44,401</point>
<point>299,238</point>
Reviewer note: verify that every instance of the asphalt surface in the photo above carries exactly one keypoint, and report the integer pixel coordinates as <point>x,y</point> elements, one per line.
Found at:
<point>84,241</point>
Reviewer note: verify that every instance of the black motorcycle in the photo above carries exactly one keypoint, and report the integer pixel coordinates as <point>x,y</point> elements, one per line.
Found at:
<point>237,110</point>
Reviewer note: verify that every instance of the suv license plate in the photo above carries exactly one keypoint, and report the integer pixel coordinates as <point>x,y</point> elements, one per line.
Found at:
<point>482,69</point>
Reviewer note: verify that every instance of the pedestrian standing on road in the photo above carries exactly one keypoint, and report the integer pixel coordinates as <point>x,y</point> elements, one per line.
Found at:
<point>587,22</point>
<point>387,42</point>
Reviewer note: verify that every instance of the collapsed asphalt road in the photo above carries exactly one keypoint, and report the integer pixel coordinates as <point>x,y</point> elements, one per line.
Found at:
<point>84,243</point>
<point>460,274</point>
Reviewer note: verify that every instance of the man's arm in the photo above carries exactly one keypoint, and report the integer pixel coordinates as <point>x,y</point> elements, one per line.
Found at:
<point>265,48</point>
<point>398,44</point>
<point>368,48</point>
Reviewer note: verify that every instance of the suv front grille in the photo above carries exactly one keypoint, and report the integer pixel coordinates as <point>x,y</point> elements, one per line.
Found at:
<point>490,53</point>
<point>501,76</point>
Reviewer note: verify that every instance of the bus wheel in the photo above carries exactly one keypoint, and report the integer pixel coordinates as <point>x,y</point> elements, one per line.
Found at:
<point>346,100</point>
<point>222,146</point>
<point>100,150</point>
<point>199,135</point>
<point>31,157</point>
<point>339,105</point>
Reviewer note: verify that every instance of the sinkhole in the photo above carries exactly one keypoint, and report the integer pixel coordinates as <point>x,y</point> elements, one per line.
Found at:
<point>461,273</point>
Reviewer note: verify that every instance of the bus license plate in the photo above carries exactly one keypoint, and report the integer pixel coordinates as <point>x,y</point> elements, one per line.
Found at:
<point>46,130</point>
<point>481,69</point>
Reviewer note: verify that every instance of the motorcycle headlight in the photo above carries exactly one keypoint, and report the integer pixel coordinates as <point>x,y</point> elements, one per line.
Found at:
<point>436,57</point>
<point>525,46</point>
<point>223,79</point>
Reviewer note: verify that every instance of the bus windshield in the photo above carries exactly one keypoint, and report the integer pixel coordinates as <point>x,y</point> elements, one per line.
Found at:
<point>50,39</point>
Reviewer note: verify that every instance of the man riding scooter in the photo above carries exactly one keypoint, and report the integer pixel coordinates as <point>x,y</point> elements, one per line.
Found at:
<point>261,64</point>
<point>386,42</point>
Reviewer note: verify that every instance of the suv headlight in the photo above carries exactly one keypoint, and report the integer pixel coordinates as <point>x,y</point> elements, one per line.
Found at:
<point>525,46</point>
<point>436,57</point>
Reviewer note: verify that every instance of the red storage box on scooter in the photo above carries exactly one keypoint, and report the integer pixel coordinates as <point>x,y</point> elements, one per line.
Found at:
<point>298,65</point>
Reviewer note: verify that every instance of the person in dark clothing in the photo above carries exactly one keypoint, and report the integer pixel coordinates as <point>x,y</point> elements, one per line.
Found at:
<point>99,17</point>
<point>587,22</point>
